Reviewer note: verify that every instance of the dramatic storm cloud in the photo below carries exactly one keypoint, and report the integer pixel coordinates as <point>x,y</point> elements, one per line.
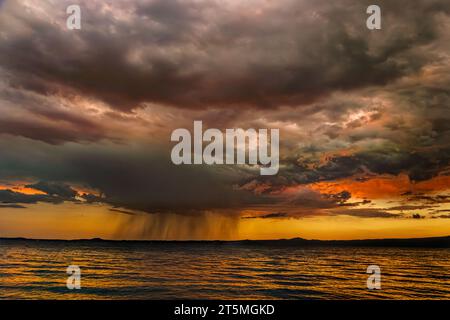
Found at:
<point>208,53</point>
<point>357,109</point>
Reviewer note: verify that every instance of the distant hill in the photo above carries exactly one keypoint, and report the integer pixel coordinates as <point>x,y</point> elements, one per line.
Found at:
<point>434,242</point>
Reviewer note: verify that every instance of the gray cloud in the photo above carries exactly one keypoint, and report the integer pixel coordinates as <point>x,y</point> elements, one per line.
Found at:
<point>269,216</point>
<point>54,189</point>
<point>444,216</point>
<point>365,213</point>
<point>12,206</point>
<point>307,67</point>
<point>199,54</point>
<point>141,179</point>
<point>409,208</point>
<point>12,197</point>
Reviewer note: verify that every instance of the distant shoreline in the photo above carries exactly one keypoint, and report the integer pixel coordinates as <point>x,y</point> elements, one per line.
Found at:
<point>430,242</point>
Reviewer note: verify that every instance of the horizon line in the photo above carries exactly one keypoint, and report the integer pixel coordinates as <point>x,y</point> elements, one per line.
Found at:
<point>298,239</point>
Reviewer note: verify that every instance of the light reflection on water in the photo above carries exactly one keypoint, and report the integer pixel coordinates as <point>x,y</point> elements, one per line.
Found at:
<point>37,270</point>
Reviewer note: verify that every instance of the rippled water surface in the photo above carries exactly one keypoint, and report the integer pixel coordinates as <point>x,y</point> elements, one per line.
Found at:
<point>37,270</point>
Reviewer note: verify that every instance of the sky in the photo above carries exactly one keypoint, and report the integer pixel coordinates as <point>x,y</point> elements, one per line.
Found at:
<point>86,118</point>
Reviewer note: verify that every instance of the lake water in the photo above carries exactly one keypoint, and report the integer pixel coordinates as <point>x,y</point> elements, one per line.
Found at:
<point>110,270</point>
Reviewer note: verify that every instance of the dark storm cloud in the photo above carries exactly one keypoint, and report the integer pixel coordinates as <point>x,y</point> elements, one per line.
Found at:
<point>199,54</point>
<point>54,189</point>
<point>315,56</point>
<point>383,160</point>
<point>409,208</point>
<point>140,179</point>
<point>12,197</point>
<point>54,192</point>
<point>310,199</point>
<point>144,180</point>
<point>45,118</point>
<point>269,216</point>
<point>419,166</point>
<point>296,172</point>
<point>431,199</point>
<point>355,204</point>
<point>49,133</point>
<point>365,213</point>
<point>11,206</point>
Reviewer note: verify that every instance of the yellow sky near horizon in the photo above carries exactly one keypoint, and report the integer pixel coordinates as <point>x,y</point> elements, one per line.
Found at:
<point>83,221</point>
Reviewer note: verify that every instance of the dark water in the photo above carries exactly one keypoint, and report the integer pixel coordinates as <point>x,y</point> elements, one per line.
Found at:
<point>37,270</point>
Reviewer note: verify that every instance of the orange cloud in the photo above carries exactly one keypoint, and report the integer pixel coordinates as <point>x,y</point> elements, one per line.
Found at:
<point>382,186</point>
<point>20,188</point>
